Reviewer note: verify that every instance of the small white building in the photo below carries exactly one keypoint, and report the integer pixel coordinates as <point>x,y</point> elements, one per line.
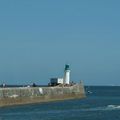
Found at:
<point>65,80</point>
<point>56,81</point>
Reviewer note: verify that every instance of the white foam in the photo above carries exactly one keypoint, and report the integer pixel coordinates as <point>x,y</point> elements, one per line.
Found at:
<point>113,106</point>
<point>103,108</point>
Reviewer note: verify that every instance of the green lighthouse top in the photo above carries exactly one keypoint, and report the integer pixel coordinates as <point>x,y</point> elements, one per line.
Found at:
<point>67,67</point>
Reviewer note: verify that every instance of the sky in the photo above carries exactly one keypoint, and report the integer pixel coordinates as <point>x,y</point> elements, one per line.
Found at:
<point>38,37</point>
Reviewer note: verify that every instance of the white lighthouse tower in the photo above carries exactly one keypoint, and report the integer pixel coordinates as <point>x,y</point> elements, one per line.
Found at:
<point>67,75</point>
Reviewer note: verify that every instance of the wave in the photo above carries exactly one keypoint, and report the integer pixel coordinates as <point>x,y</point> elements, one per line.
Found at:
<point>113,106</point>
<point>102,108</point>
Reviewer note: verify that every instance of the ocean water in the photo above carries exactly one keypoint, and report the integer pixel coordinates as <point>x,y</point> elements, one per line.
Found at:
<point>102,103</point>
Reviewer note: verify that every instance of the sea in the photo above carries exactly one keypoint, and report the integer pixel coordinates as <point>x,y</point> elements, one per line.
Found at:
<point>101,103</point>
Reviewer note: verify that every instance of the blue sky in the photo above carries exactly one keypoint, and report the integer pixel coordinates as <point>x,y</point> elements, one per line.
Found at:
<point>38,37</point>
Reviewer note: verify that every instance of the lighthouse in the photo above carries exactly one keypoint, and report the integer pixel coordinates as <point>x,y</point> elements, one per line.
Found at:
<point>67,74</point>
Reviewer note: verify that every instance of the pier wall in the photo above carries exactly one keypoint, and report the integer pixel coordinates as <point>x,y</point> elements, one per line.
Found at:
<point>26,95</point>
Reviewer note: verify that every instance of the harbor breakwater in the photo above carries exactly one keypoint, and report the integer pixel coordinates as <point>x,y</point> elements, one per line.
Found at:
<point>27,95</point>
